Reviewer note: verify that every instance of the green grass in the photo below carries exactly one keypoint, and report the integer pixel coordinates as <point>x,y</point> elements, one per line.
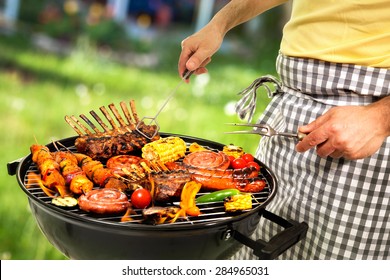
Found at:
<point>38,89</point>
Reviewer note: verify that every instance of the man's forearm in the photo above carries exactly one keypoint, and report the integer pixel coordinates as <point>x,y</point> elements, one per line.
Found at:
<point>240,11</point>
<point>382,107</point>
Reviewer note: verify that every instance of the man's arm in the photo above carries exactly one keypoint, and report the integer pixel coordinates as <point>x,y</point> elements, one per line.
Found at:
<point>198,48</point>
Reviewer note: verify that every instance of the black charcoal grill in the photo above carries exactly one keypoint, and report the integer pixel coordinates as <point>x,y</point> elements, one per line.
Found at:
<point>212,235</point>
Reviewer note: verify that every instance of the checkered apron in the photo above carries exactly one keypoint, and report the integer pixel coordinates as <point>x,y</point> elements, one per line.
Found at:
<point>346,203</point>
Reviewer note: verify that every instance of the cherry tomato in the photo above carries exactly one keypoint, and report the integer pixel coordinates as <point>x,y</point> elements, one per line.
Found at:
<point>253,164</point>
<point>141,198</point>
<point>231,158</point>
<point>238,163</point>
<point>248,157</point>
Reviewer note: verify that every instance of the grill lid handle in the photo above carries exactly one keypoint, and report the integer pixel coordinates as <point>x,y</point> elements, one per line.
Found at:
<point>293,232</point>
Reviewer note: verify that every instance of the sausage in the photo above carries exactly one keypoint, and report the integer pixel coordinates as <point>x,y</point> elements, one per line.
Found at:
<point>207,160</point>
<point>104,201</point>
<point>211,170</point>
<point>215,183</point>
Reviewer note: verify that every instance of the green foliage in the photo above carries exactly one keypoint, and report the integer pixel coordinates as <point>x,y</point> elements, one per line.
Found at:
<point>107,32</point>
<point>66,28</point>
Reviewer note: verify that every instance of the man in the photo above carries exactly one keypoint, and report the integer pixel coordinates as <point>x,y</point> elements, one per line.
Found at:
<point>334,67</point>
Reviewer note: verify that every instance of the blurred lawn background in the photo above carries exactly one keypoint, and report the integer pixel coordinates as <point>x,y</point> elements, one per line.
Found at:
<point>69,65</point>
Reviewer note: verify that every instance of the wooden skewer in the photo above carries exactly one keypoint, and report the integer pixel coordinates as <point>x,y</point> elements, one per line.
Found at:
<point>162,165</point>
<point>145,167</point>
<point>155,166</point>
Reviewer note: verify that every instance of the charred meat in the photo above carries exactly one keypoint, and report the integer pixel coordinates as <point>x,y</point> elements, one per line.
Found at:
<point>121,138</point>
<point>168,185</point>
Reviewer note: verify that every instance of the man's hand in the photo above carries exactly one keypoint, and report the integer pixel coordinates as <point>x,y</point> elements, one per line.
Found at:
<point>197,50</point>
<point>352,132</point>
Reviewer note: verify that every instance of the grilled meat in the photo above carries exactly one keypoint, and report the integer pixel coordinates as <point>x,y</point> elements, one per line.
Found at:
<point>124,138</point>
<point>168,185</point>
<point>106,146</point>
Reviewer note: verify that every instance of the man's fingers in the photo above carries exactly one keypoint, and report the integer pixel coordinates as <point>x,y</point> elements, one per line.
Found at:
<point>313,139</point>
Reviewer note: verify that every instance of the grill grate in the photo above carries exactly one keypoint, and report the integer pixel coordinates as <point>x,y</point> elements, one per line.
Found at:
<point>210,212</point>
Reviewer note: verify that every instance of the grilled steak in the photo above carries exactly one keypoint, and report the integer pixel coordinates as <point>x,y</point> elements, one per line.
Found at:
<point>168,185</point>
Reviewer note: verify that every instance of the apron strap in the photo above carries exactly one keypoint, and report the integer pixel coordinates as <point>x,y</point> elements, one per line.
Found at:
<point>246,106</point>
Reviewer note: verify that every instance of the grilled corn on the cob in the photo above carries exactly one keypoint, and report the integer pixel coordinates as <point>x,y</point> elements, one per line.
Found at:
<point>238,202</point>
<point>232,150</point>
<point>166,149</point>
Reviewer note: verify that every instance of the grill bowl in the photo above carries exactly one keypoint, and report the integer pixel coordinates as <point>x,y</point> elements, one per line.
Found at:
<point>82,236</point>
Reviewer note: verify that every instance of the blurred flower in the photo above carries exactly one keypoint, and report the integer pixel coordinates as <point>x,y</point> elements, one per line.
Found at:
<point>71,7</point>
<point>49,14</point>
<point>18,104</point>
<point>181,114</point>
<point>200,84</point>
<point>229,108</point>
<point>99,88</point>
<point>147,102</point>
<point>144,21</point>
<point>95,13</point>
<point>83,94</point>
<point>5,255</point>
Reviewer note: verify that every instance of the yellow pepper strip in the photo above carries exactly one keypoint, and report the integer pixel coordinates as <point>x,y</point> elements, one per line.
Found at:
<point>195,147</point>
<point>187,201</point>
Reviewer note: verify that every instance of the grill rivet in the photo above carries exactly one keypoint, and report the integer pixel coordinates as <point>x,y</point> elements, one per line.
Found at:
<point>227,234</point>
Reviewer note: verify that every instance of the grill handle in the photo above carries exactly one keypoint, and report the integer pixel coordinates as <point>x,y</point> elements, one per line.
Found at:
<point>293,232</point>
<point>12,166</point>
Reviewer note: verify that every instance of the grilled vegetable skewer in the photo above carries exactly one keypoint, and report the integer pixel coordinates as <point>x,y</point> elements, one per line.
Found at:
<point>98,174</point>
<point>49,169</point>
<point>74,176</point>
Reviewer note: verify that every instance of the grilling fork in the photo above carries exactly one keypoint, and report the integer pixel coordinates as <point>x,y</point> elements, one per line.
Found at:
<point>152,120</point>
<point>264,130</point>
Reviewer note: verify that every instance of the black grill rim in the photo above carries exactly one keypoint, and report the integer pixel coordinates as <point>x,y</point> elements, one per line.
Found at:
<point>26,162</point>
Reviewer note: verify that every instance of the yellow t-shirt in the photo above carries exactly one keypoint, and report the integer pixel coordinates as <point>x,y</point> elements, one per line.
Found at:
<point>345,31</point>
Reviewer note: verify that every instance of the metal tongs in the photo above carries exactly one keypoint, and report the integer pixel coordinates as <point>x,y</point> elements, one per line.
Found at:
<point>264,130</point>
<point>152,120</point>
